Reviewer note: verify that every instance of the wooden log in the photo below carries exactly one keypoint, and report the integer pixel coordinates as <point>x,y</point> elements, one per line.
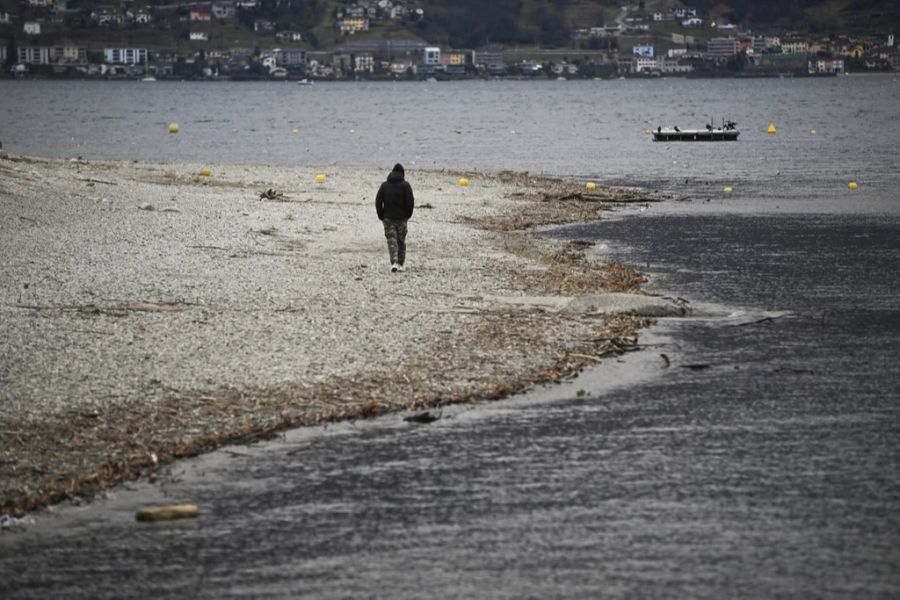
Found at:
<point>167,513</point>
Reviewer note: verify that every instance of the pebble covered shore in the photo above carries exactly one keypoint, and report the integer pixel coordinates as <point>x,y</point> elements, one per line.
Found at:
<point>149,311</point>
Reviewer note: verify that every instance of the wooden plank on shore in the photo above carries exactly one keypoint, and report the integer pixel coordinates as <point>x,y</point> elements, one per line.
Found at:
<point>167,513</point>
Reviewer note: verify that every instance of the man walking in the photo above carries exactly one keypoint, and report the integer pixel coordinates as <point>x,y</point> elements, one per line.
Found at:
<point>394,205</point>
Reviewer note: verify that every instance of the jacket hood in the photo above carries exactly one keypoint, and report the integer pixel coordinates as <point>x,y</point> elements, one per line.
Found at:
<point>397,174</point>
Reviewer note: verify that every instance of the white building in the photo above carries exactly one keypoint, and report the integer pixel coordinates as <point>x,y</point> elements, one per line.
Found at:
<point>289,57</point>
<point>432,56</point>
<point>32,28</point>
<point>34,55</point>
<point>645,51</point>
<point>124,56</point>
<point>826,66</point>
<point>224,11</point>
<point>644,64</point>
<point>5,19</point>
<point>794,47</point>
<point>684,12</point>
<point>289,36</point>
<point>199,36</point>
<point>139,17</point>
<point>364,63</point>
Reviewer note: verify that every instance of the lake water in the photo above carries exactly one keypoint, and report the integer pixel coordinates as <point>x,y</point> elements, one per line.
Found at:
<point>759,457</point>
<point>588,128</point>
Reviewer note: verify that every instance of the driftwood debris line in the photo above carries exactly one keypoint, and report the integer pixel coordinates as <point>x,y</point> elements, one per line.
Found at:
<point>110,310</point>
<point>598,198</point>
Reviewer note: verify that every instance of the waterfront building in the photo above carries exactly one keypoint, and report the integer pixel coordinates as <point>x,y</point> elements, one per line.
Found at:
<point>33,55</point>
<point>794,47</point>
<point>490,61</point>
<point>364,63</point>
<point>289,57</point>
<point>124,56</point>
<point>722,47</point>
<point>828,65</point>
<point>68,54</point>
<point>431,56</point>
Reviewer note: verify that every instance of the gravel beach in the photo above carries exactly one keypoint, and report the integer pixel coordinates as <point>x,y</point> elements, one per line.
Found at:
<point>151,311</point>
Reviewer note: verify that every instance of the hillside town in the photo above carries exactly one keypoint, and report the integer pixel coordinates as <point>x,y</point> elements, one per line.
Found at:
<point>241,40</point>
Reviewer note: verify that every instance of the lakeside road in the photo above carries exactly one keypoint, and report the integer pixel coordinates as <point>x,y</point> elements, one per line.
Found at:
<point>149,312</point>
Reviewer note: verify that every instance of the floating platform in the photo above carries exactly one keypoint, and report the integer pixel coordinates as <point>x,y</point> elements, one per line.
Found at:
<point>696,135</point>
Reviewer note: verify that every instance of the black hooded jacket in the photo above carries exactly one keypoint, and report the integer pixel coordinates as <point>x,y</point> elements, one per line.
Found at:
<point>395,197</point>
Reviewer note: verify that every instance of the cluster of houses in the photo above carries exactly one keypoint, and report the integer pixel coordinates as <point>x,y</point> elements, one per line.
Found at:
<point>682,52</point>
<point>359,15</point>
<point>771,54</point>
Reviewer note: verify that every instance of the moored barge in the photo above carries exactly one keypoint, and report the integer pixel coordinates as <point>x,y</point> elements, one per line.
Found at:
<point>726,133</point>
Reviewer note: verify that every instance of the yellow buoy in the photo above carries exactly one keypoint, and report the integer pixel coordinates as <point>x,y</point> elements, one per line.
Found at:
<point>591,185</point>
<point>295,131</point>
<point>205,172</point>
<point>771,128</point>
<point>320,178</point>
<point>513,131</point>
<point>463,182</point>
<point>352,131</point>
<point>406,132</point>
<point>167,513</point>
<point>853,185</point>
<point>728,189</point>
<point>173,128</point>
<point>812,132</point>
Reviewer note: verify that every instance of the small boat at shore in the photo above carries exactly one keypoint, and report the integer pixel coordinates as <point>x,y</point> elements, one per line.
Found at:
<point>726,133</point>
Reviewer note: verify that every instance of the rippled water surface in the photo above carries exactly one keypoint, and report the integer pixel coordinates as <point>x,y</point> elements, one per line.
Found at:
<point>752,450</point>
<point>592,128</point>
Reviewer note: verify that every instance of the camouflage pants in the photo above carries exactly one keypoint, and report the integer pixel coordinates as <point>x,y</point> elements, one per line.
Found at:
<point>395,232</point>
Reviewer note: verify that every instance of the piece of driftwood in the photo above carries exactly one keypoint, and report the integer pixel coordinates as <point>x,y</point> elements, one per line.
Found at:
<point>763,320</point>
<point>92,180</point>
<point>167,513</point>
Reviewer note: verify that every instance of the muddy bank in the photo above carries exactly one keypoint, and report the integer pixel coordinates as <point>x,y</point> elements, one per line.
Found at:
<point>149,312</point>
